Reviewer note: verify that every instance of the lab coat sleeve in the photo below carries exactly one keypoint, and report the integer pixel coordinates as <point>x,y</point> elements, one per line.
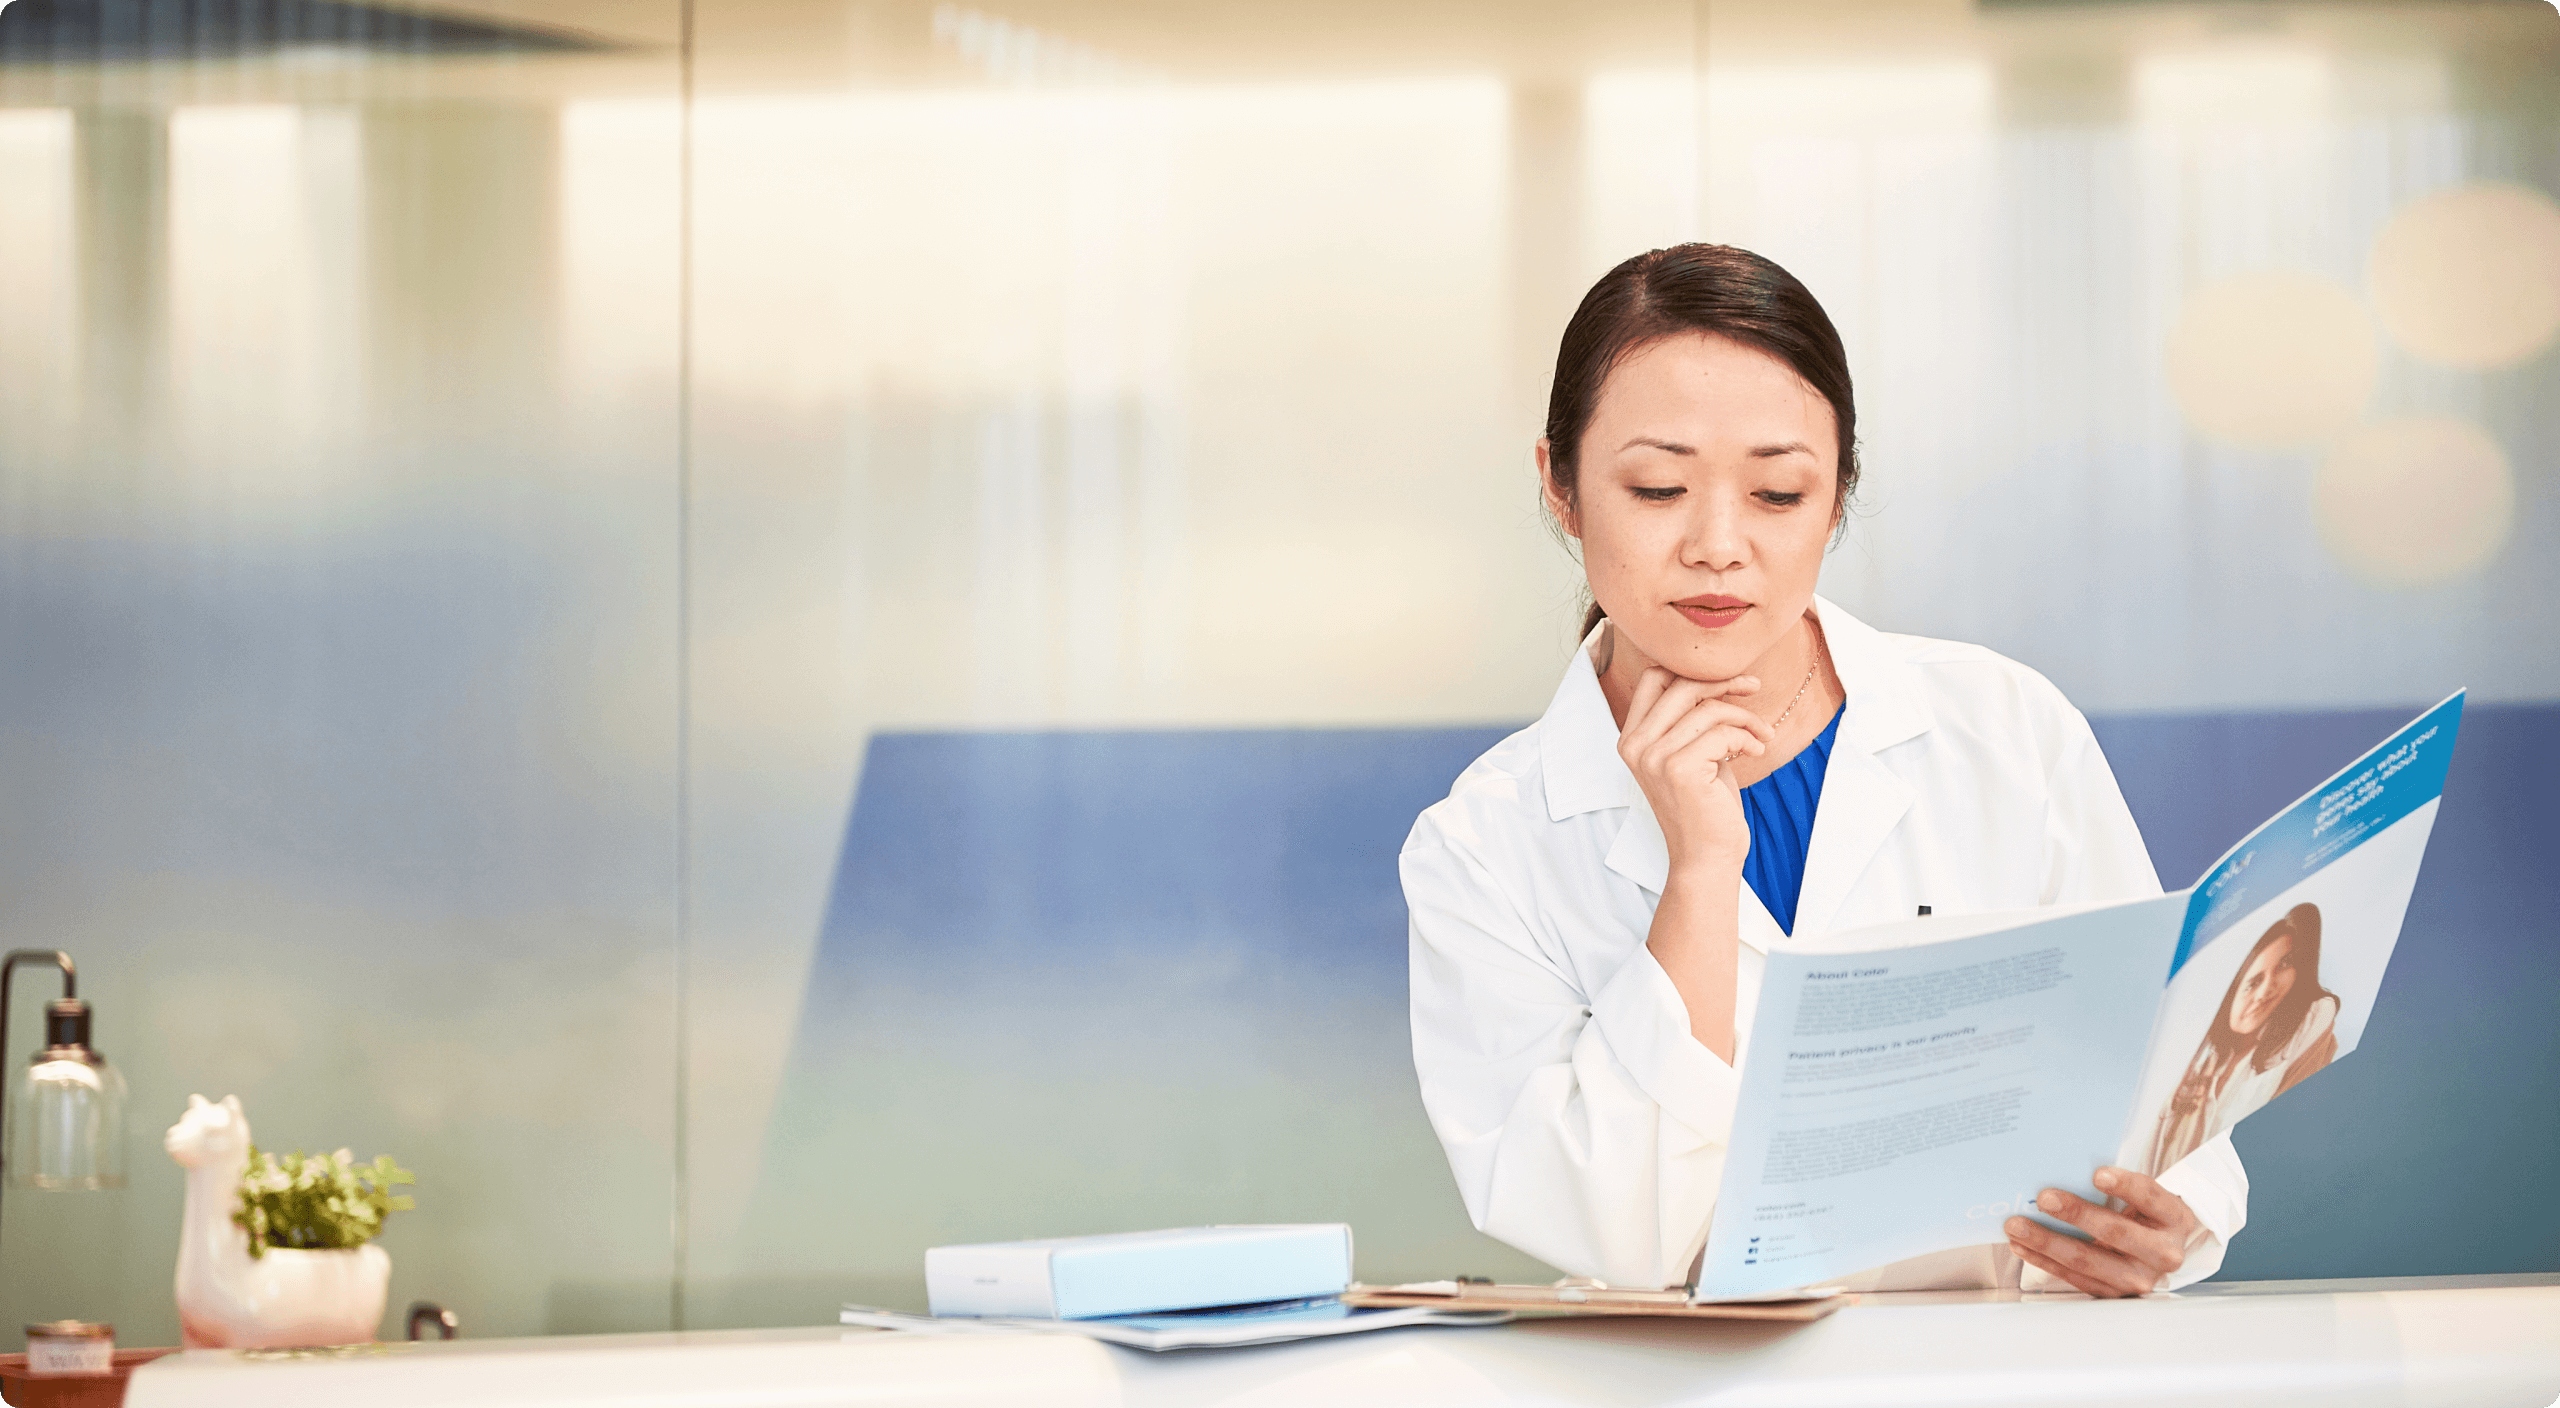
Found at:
<point>2217,1192</point>
<point>2095,852</point>
<point>1586,1130</point>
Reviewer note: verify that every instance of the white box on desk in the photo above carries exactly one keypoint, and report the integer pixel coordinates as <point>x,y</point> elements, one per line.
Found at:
<point>1132,1273</point>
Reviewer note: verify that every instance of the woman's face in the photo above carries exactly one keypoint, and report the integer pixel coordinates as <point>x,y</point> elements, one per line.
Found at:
<point>2263,984</point>
<point>1709,488</point>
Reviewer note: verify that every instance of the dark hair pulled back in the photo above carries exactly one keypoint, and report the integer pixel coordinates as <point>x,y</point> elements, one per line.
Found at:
<point>1708,288</point>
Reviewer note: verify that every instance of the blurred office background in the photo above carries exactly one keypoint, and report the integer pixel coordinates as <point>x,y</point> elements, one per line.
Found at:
<point>761,633</point>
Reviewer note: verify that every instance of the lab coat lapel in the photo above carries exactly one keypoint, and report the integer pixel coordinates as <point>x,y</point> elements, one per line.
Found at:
<point>1863,798</point>
<point>1756,925</point>
<point>1862,802</point>
<point>1578,743</point>
<point>1641,853</point>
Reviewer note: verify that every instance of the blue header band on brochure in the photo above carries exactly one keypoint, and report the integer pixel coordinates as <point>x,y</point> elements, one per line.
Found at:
<point>2400,775</point>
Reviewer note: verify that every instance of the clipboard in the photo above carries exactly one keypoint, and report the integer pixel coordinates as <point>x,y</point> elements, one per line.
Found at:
<point>1568,1299</point>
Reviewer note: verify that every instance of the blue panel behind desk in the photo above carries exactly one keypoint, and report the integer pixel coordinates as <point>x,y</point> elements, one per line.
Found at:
<point>1106,981</point>
<point>1095,981</point>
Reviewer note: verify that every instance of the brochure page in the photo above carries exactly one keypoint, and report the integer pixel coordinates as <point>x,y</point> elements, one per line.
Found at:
<point>1905,1099</point>
<point>2284,944</point>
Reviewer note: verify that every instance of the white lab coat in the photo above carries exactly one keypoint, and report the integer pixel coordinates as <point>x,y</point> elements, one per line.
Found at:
<point>1585,1125</point>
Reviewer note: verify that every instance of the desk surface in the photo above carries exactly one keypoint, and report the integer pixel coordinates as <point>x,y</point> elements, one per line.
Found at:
<point>2457,1340</point>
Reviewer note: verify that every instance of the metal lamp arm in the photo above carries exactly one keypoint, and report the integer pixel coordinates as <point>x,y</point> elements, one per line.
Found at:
<point>54,956</point>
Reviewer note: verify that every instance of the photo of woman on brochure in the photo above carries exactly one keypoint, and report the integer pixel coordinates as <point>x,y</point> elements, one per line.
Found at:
<point>2277,1025</point>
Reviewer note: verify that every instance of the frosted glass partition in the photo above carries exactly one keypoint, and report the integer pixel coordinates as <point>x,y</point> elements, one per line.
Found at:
<point>338,570</point>
<point>760,635</point>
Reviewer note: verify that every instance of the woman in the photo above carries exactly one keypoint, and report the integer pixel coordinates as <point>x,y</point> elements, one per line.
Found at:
<point>1727,760</point>
<point>2276,1026</point>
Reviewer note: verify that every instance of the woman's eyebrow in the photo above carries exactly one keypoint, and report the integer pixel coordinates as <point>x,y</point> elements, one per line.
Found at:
<point>1672,446</point>
<point>1758,452</point>
<point>1784,447</point>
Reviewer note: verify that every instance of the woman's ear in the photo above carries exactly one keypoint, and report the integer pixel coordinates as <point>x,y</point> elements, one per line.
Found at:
<point>1559,506</point>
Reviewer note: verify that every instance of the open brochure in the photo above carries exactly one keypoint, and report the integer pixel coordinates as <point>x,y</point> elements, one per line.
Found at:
<point>1908,1087</point>
<point>1221,1328</point>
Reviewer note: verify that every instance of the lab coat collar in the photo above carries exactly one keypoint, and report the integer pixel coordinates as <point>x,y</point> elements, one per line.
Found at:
<point>1890,705</point>
<point>1578,745</point>
<point>1578,753</point>
<point>1862,799</point>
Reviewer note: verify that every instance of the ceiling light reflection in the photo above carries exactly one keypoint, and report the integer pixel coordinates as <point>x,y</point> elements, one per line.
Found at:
<point>38,273</point>
<point>2272,359</point>
<point>2265,85</point>
<point>1025,57</point>
<point>2414,501</point>
<point>2470,277</point>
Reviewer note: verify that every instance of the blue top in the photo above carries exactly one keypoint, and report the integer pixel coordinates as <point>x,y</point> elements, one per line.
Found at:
<point>1780,809</point>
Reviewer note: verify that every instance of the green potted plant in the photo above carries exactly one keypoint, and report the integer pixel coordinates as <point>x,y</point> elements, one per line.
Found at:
<point>317,1202</point>
<point>277,1252</point>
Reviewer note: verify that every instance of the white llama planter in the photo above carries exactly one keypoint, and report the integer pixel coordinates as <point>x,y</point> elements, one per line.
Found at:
<point>282,1300</point>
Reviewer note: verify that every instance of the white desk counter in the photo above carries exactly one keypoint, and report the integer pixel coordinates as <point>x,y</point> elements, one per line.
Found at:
<point>2459,1340</point>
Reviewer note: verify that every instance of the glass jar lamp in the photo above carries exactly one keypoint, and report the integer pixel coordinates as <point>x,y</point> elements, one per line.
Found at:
<point>66,1127</point>
<point>66,1105</point>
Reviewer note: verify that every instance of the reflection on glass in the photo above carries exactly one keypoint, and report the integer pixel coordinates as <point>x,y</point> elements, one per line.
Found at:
<point>339,617</point>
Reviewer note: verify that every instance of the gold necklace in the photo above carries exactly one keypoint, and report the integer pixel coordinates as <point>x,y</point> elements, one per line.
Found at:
<point>1811,668</point>
<point>1780,721</point>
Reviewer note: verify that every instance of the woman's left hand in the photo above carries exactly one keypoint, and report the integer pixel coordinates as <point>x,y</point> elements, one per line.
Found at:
<point>2130,1252</point>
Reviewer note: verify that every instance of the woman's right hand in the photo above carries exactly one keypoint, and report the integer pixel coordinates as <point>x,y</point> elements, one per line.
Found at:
<point>1680,739</point>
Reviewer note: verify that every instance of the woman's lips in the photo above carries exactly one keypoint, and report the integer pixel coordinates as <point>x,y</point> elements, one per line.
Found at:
<point>1712,612</point>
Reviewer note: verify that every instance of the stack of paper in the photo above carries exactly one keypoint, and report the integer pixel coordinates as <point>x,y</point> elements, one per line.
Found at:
<point>1194,1329</point>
